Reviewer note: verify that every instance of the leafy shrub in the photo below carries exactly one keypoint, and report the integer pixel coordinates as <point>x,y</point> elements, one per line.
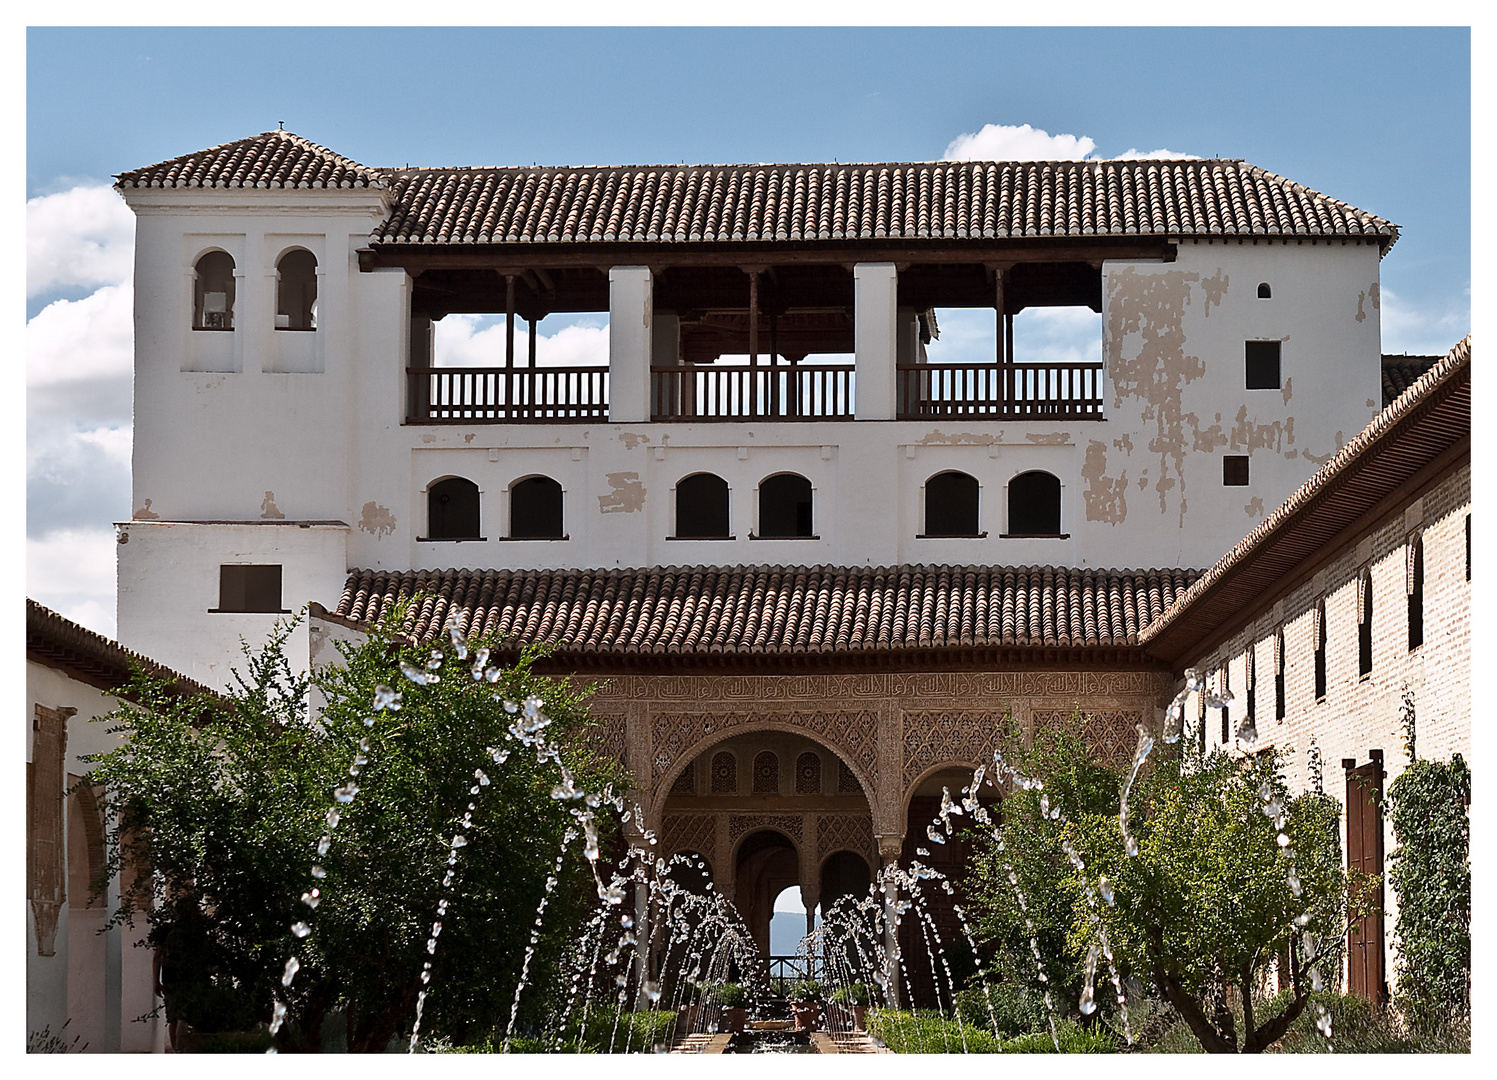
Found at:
<point>1073,1039</point>
<point>805,990</point>
<point>926,1032</point>
<point>1015,1008</point>
<point>725,995</point>
<point>852,994</point>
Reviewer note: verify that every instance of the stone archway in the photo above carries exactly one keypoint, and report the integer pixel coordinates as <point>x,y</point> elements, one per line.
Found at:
<point>765,863</point>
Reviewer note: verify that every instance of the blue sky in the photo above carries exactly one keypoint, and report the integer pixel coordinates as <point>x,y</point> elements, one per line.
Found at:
<point>1380,118</point>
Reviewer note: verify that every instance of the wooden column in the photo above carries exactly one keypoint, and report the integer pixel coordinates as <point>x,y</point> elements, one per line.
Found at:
<point>509,347</point>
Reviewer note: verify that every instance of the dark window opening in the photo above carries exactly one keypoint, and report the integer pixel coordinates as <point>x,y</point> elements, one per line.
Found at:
<point>452,510</point>
<point>785,507</point>
<point>1320,651</point>
<point>766,773</point>
<point>1226,711</point>
<point>1468,547</point>
<point>213,292</point>
<point>951,505</point>
<point>1416,596</point>
<point>1201,721</point>
<point>1034,505</point>
<point>1280,705</point>
<point>249,588</point>
<point>1251,714</point>
<point>1264,292</point>
<point>296,291</point>
<point>1364,627</point>
<point>1263,365</point>
<point>1235,470</point>
<point>535,510</point>
<point>702,508</point>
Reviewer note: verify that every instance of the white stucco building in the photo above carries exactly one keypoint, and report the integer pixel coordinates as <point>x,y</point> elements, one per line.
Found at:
<point>292,423</point>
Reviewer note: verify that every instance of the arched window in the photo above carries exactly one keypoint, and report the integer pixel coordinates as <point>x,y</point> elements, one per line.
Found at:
<point>1264,292</point>
<point>766,773</point>
<point>702,508</point>
<point>1318,628</point>
<point>213,292</point>
<point>296,291</point>
<point>808,773</point>
<point>1034,504</point>
<point>724,773</point>
<point>1416,594</point>
<point>1364,623</point>
<point>951,505</point>
<point>535,510</point>
<point>785,506</point>
<point>452,510</point>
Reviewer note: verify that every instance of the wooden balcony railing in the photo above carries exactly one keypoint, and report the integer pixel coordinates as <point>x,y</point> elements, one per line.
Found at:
<point>473,395</point>
<point>1050,391</point>
<point>798,392</point>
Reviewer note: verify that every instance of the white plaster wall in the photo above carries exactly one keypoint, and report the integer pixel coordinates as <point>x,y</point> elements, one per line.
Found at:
<point>111,986</point>
<point>169,579</point>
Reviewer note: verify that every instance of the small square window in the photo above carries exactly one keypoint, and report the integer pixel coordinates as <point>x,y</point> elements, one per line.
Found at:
<point>249,588</point>
<point>1235,470</point>
<point>1263,365</point>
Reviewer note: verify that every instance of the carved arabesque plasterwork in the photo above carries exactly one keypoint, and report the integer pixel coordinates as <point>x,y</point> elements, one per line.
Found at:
<point>789,824</point>
<point>691,832</point>
<point>935,737</point>
<point>917,687</point>
<point>1111,734</point>
<point>609,734</point>
<point>680,735</point>
<point>845,832</point>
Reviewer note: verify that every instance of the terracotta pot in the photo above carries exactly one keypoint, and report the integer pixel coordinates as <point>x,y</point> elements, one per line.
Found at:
<point>859,1017</point>
<point>733,1020</point>
<point>686,1018</point>
<point>806,1014</point>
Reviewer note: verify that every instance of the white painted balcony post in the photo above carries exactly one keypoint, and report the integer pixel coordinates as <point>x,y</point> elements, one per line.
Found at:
<point>875,336</point>
<point>630,313</point>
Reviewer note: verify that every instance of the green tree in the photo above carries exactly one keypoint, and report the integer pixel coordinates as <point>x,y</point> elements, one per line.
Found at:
<point>225,803</point>
<point>1207,904</point>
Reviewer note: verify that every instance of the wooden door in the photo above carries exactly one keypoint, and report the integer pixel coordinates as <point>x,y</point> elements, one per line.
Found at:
<point>1364,860</point>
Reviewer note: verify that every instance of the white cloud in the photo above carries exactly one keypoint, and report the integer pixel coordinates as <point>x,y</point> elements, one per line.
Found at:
<point>1423,331</point>
<point>478,341</point>
<point>1041,335</point>
<point>79,356</point>
<point>1006,142</point>
<point>80,238</point>
<point>71,571</point>
<point>1155,155</point>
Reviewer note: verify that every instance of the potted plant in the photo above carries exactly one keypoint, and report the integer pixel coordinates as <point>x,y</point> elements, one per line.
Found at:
<point>852,1004</point>
<point>732,999</point>
<point>805,1000</point>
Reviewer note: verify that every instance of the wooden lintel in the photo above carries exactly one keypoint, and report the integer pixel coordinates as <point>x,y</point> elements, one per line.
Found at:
<point>415,258</point>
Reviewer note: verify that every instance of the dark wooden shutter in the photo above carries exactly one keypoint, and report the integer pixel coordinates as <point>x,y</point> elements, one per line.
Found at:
<point>1364,856</point>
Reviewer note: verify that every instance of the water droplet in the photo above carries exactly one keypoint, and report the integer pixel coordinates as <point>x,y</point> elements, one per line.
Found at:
<point>651,991</point>
<point>436,928</point>
<point>346,793</point>
<point>277,1018</point>
<point>1044,806</point>
<point>425,977</point>
<point>323,844</point>
<point>459,841</point>
<point>482,777</point>
<point>1283,839</point>
<point>491,674</point>
<point>511,707</point>
<point>447,880</point>
<point>922,851</point>
<point>621,980</point>
<point>312,897</point>
<point>1133,845</point>
<point>293,965</point>
<point>459,643</point>
<point>625,817</point>
<point>318,872</point>
<point>385,697</point>
<point>1105,888</point>
<point>1295,885</point>
<point>414,673</point>
<point>333,817</point>
<point>300,929</point>
<point>626,920</point>
<point>935,837</point>
<point>431,946</point>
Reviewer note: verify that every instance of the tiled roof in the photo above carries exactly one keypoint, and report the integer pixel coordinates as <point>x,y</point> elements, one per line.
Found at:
<point>1431,418</point>
<point>1401,372</point>
<point>948,200</point>
<point>274,159</point>
<point>92,658</point>
<point>703,610</point>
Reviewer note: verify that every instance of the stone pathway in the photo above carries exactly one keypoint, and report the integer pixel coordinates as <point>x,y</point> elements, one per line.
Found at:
<point>851,1042</point>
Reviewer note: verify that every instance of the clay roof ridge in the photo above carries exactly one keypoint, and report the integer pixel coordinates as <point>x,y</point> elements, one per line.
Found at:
<point>1451,365</point>
<point>144,175</point>
<point>49,633</point>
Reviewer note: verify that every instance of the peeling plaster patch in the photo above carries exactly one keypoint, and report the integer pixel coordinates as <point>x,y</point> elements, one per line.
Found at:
<point>1361,301</point>
<point>1145,311</point>
<point>376,520</point>
<point>1371,404</point>
<point>627,496</point>
<point>1254,508</point>
<point>469,437</point>
<point>268,510</point>
<point>1206,439</point>
<point>1249,436</point>
<point>1214,288</point>
<point>960,438</point>
<point>1143,482</point>
<point>1105,497</point>
<point>145,513</point>
<point>428,438</point>
<point>1373,294</point>
<point>632,439</point>
<point>1124,443</point>
<point>1288,390</point>
<point>1054,438</point>
<point>1321,459</point>
<point>1290,455</point>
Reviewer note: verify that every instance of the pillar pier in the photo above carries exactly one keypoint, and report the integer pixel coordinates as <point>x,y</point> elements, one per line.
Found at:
<point>630,315</point>
<point>875,336</point>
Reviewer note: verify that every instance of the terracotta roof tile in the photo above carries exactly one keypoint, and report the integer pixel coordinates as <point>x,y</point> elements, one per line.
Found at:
<point>1401,372</point>
<point>59,642</point>
<point>274,159</point>
<point>776,610</point>
<point>951,200</point>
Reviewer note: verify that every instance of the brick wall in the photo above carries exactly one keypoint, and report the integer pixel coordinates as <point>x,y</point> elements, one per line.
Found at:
<point>1362,713</point>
